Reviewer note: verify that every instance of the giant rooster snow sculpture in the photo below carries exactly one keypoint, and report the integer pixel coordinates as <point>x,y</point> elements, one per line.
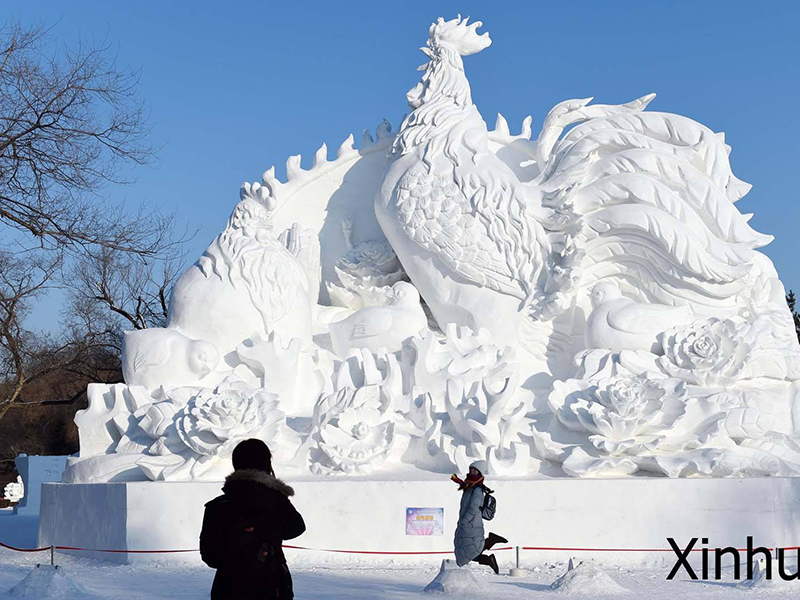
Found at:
<point>595,301</point>
<point>641,199</point>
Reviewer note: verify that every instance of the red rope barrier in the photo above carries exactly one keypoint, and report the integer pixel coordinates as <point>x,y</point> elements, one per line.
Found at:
<point>15,549</point>
<point>400,553</point>
<point>76,548</point>
<point>376,552</point>
<point>566,549</point>
<point>124,551</point>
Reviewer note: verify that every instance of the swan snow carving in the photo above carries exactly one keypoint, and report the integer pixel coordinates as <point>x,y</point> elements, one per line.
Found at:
<point>634,198</point>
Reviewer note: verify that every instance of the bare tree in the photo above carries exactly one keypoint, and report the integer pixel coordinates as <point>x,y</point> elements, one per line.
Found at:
<point>21,282</point>
<point>69,120</point>
<point>34,364</point>
<point>133,288</point>
<point>791,300</point>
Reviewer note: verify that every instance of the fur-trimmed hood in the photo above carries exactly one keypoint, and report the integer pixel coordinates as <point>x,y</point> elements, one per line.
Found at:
<point>260,477</point>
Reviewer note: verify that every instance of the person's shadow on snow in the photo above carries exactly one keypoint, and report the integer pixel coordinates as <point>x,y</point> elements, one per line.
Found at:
<point>534,587</point>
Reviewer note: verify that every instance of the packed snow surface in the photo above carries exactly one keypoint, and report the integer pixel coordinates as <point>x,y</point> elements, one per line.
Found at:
<point>143,581</point>
<point>44,582</point>
<point>760,580</point>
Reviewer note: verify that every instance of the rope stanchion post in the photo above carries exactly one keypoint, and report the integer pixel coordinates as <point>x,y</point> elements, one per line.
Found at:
<point>518,572</point>
<point>52,556</point>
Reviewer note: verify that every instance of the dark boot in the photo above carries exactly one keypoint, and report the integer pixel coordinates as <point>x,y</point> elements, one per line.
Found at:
<point>494,539</point>
<point>489,561</point>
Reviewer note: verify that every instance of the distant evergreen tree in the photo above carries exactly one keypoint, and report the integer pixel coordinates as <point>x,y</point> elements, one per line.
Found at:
<point>790,300</point>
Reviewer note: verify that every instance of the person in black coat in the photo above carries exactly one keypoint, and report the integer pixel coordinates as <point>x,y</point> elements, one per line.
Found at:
<point>243,529</point>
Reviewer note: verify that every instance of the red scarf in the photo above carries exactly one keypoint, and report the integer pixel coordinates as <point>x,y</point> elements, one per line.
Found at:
<point>470,481</point>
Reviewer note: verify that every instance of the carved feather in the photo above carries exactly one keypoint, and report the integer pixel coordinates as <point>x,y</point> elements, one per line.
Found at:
<point>461,223</point>
<point>667,233</point>
<point>691,185</point>
<point>639,189</point>
<point>675,130</point>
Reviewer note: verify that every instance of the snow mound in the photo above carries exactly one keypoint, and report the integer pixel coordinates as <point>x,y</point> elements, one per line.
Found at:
<point>760,580</point>
<point>47,582</point>
<point>453,579</point>
<point>586,580</point>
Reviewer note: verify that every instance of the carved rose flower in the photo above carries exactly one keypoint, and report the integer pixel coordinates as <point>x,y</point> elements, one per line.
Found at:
<point>357,430</point>
<point>622,414</point>
<point>214,421</point>
<point>711,352</point>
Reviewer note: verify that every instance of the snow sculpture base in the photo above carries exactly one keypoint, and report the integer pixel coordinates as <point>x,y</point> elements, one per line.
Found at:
<point>369,515</point>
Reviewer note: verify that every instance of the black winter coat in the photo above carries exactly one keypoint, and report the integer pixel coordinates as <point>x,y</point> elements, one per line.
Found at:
<point>242,534</point>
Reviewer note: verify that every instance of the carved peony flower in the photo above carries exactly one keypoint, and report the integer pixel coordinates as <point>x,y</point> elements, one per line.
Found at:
<point>370,263</point>
<point>354,430</point>
<point>366,274</point>
<point>624,414</point>
<point>711,352</point>
<point>214,421</point>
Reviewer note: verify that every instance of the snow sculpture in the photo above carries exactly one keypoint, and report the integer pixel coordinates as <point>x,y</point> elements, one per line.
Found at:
<point>589,303</point>
<point>625,413</point>
<point>248,280</point>
<point>376,327</point>
<point>14,491</point>
<point>354,430</point>
<point>619,323</point>
<point>365,274</point>
<point>155,357</point>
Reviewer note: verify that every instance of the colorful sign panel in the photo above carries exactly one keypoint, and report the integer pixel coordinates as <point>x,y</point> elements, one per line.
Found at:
<point>424,521</point>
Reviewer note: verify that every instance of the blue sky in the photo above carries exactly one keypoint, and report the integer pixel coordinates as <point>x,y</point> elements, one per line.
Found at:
<point>236,87</point>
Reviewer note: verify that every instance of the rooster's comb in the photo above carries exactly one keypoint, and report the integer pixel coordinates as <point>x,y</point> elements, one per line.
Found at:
<point>457,34</point>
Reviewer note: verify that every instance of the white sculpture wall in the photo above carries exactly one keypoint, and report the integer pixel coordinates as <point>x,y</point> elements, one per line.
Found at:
<point>33,472</point>
<point>590,303</point>
<point>365,516</point>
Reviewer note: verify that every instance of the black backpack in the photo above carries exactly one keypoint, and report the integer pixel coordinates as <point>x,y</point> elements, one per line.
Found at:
<point>489,504</point>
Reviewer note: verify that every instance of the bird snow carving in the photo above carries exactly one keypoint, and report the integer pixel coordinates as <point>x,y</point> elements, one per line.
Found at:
<point>618,323</point>
<point>246,281</point>
<point>376,327</point>
<point>156,356</point>
<point>625,195</point>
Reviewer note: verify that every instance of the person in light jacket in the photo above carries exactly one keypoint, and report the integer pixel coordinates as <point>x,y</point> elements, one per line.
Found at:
<point>469,540</point>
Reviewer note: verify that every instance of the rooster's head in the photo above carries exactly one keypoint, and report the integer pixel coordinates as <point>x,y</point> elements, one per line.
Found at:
<point>457,35</point>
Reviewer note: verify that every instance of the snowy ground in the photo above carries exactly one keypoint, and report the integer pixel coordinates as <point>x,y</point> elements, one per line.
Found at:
<point>315,580</point>
<point>156,582</point>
